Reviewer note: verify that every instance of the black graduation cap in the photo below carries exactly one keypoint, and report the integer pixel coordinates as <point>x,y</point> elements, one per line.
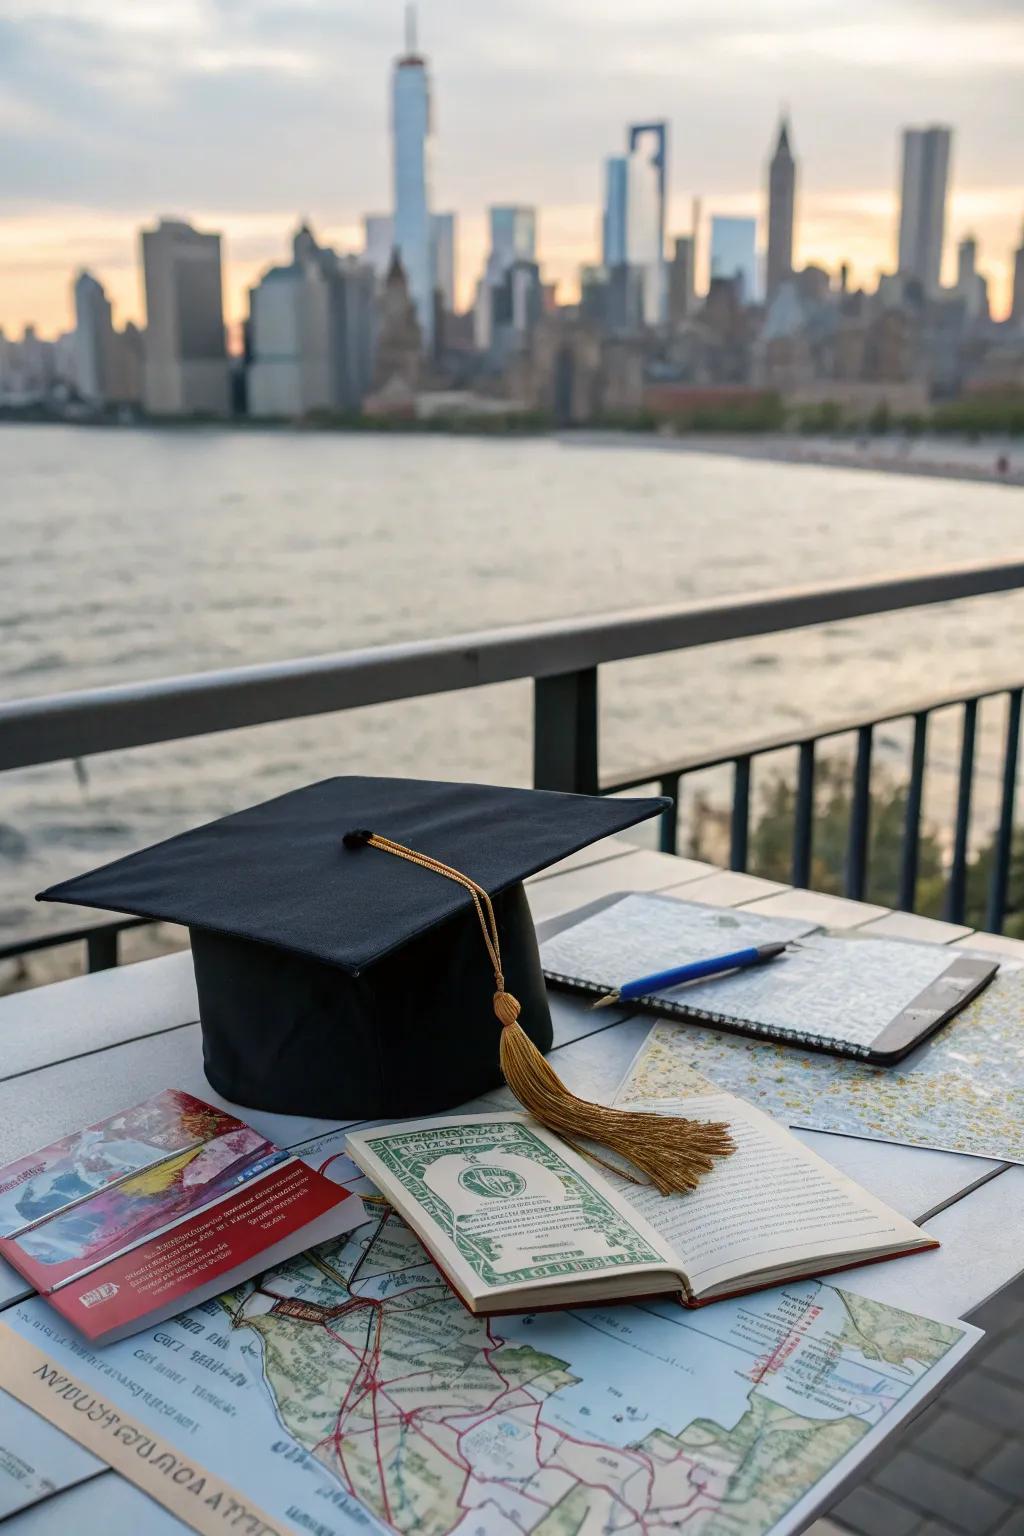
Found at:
<point>363,949</point>
<point>335,981</point>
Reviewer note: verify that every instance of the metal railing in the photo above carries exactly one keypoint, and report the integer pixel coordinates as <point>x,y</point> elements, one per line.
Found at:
<point>563,659</point>
<point>741,759</point>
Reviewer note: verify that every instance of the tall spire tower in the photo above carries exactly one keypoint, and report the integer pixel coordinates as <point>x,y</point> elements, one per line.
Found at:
<point>781,206</point>
<point>411,153</point>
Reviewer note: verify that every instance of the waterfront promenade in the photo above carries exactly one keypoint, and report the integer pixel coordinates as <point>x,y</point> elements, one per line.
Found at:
<point>987,460</point>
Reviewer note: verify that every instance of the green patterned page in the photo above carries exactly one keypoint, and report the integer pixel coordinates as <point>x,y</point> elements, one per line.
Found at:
<point>494,1196</point>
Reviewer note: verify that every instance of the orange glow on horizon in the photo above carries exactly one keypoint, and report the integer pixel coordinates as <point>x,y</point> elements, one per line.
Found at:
<point>40,254</point>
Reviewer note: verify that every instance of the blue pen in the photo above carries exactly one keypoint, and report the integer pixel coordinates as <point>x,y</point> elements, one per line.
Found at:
<point>693,971</point>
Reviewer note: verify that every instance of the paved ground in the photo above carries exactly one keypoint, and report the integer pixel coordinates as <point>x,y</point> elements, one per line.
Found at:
<point>959,1468</point>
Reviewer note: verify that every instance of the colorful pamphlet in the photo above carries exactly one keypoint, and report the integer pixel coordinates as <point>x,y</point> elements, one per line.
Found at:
<point>156,1208</point>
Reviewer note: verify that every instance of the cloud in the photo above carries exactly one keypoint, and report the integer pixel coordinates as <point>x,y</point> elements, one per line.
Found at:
<point>258,109</point>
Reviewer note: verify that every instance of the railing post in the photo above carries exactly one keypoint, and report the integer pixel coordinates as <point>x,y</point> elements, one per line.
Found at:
<point>101,950</point>
<point>668,826</point>
<point>956,894</point>
<point>803,816</point>
<point>912,816</point>
<point>739,830</point>
<point>1003,851</point>
<point>565,732</point>
<point>860,817</point>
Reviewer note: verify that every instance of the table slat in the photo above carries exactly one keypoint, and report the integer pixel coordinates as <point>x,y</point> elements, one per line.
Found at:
<point>980,1254</point>
<point>908,925</point>
<point>816,907</point>
<point>994,944</point>
<point>594,853</point>
<point>728,888</point>
<point>91,1013</point>
<point>639,871</point>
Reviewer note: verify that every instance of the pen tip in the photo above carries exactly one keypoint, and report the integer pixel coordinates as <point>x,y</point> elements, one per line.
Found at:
<point>606,1001</point>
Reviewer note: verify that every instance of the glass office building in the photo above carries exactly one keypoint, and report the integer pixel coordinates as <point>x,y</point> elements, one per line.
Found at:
<point>613,229</point>
<point>513,235</point>
<point>734,254</point>
<point>411,140</point>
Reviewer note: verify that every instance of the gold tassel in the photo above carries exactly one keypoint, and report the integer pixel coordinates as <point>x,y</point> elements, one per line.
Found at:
<point>671,1151</point>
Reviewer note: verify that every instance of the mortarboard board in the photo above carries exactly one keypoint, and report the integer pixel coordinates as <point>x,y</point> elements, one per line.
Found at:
<point>338,983</point>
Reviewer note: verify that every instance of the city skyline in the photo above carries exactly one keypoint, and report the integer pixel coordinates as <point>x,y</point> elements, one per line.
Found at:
<point>841,216</point>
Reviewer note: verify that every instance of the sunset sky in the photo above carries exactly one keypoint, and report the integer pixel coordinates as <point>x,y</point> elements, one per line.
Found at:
<point>244,114</point>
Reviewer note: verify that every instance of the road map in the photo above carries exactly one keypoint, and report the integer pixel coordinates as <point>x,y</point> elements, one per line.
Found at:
<point>959,1091</point>
<point>349,1391</point>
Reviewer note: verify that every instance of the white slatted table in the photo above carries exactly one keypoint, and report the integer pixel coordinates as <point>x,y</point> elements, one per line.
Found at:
<point>76,1051</point>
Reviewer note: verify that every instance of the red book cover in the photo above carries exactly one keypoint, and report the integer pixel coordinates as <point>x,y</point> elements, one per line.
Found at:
<point>152,1210</point>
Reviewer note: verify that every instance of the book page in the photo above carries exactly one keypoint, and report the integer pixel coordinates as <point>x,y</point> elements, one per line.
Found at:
<point>772,1203</point>
<point>503,1204</point>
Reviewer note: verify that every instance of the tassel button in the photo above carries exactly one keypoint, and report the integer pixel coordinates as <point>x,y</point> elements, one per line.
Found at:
<point>506,1007</point>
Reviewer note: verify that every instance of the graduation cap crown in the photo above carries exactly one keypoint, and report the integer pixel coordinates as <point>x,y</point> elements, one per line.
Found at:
<point>333,984</point>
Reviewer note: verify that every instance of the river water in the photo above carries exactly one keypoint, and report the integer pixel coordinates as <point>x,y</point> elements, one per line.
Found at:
<point>138,554</point>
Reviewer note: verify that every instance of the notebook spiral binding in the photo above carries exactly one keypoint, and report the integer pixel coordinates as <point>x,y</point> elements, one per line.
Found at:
<point>771,1032</point>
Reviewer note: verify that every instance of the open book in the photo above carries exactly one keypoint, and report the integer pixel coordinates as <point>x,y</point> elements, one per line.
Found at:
<point>517,1221</point>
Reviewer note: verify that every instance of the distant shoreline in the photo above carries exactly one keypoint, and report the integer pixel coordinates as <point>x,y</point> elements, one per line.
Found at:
<point>940,458</point>
<point>945,456</point>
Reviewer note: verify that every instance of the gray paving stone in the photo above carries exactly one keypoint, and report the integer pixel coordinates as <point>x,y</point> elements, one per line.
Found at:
<point>1005,1311</point>
<point>1006,1356</point>
<point>1014,1526</point>
<point>1005,1470</point>
<point>988,1397</point>
<point>959,1501</point>
<point>954,1439</point>
<point>871,1513</point>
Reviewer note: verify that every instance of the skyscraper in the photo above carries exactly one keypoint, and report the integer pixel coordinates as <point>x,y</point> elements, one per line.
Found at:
<point>513,241</point>
<point>970,285</point>
<point>442,257</point>
<point>613,226</point>
<point>645,214</point>
<point>411,142</point>
<point>378,241</point>
<point>781,198</point>
<point>513,235</point>
<point>311,332</point>
<point>1017,300</point>
<point>681,281</point>
<point>923,204</point>
<point>734,254</point>
<point>186,369</point>
<point>94,337</point>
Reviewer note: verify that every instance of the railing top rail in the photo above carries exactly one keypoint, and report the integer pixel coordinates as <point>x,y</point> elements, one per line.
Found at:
<point>796,736</point>
<point>136,714</point>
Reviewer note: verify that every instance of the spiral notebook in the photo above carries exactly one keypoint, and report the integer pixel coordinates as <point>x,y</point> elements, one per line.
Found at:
<point>870,998</point>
